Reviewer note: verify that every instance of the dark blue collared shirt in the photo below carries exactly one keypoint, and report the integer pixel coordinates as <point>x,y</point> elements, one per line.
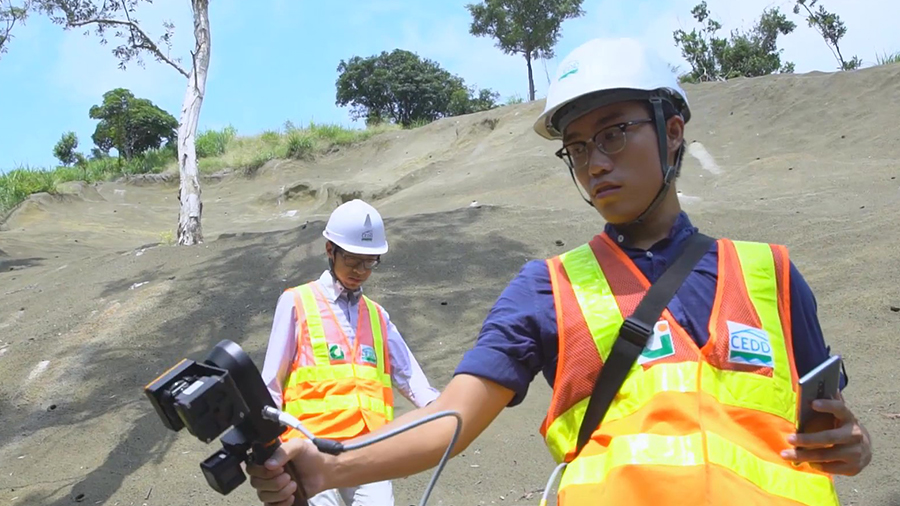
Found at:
<point>519,337</point>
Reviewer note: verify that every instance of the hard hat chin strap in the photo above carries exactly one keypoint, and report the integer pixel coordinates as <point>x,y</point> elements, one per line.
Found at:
<point>334,252</point>
<point>668,171</point>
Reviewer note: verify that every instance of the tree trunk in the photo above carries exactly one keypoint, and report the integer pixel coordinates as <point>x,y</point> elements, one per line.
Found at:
<point>189,229</point>
<point>530,76</point>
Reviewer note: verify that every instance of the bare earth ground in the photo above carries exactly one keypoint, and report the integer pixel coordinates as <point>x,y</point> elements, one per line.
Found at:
<point>91,308</point>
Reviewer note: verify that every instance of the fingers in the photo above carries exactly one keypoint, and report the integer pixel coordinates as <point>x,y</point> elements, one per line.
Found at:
<point>836,407</point>
<point>286,502</point>
<point>844,435</point>
<point>273,482</point>
<point>842,468</point>
<point>263,472</point>
<point>271,495</point>
<point>835,454</point>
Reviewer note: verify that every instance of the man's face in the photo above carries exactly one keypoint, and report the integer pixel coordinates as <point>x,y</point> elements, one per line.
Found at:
<point>620,184</point>
<point>350,268</point>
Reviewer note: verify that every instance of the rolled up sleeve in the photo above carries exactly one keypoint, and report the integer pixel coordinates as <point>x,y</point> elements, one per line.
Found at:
<point>511,347</point>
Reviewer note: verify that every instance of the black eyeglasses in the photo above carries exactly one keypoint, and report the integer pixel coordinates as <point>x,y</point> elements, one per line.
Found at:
<point>609,141</point>
<point>354,262</point>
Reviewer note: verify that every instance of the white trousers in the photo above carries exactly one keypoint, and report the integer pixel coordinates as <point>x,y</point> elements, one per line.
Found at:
<point>380,493</point>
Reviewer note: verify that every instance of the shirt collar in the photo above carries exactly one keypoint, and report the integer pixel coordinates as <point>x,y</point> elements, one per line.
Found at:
<point>334,289</point>
<point>681,230</point>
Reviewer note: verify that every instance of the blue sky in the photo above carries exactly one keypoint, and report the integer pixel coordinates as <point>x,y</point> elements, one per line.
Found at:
<point>276,60</point>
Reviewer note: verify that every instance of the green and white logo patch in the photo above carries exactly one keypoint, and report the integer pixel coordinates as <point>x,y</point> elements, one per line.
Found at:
<point>570,68</point>
<point>749,345</point>
<point>336,352</point>
<point>660,345</point>
<point>368,355</point>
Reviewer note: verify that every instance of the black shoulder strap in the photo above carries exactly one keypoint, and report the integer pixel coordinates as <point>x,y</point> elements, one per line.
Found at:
<point>636,331</point>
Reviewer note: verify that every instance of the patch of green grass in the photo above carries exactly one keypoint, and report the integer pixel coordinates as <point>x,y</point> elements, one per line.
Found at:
<point>214,142</point>
<point>16,185</point>
<point>216,150</point>
<point>247,154</point>
<point>887,59</point>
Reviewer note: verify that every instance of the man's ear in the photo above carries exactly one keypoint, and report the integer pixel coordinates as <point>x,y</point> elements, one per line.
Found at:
<point>675,133</point>
<point>329,249</point>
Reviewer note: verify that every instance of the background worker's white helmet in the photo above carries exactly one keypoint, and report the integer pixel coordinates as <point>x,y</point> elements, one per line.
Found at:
<point>604,71</point>
<point>357,227</point>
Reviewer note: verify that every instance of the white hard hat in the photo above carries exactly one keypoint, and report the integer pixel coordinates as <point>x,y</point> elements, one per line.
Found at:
<point>357,227</point>
<point>622,69</point>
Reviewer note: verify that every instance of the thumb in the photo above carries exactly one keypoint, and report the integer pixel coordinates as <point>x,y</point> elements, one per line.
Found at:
<point>287,451</point>
<point>284,453</point>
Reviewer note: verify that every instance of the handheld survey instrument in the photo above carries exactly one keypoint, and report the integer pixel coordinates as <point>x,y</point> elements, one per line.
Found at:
<point>224,392</point>
<point>823,382</point>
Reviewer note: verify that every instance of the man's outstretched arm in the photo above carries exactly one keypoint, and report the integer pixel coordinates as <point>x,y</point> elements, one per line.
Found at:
<point>477,400</point>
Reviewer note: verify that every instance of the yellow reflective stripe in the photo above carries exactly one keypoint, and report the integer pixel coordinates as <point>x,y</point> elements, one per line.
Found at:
<point>634,449</point>
<point>377,338</point>
<point>758,267</point>
<point>595,297</point>
<point>749,390</point>
<point>336,372</point>
<point>806,488</point>
<point>741,389</point>
<point>637,390</point>
<point>314,324</point>
<point>562,434</point>
<point>339,403</point>
<point>658,450</point>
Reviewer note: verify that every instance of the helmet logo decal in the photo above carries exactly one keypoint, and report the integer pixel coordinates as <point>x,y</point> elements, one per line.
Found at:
<point>571,68</point>
<point>367,234</point>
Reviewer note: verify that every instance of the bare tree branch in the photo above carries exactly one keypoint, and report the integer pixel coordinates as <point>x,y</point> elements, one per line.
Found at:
<point>145,42</point>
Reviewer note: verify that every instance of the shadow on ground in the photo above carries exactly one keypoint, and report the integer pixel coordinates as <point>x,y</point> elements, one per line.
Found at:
<point>440,278</point>
<point>15,264</point>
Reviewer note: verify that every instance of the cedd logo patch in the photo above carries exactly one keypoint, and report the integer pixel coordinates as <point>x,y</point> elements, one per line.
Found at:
<point>749,345</point>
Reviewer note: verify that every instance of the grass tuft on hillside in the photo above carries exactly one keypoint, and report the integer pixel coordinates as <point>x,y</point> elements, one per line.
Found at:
<point>217,150</point>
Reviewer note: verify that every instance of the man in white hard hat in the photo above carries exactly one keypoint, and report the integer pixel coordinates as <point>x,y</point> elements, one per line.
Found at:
<point>334,355</point>
<point>670,385</point>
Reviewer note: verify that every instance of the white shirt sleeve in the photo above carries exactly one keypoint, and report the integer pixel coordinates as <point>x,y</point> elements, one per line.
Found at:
<point>406,374</point>
<point>282,347</point>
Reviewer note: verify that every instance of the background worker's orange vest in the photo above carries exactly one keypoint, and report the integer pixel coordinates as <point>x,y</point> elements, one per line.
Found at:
<point>690,425</point>
<point>336,390</point>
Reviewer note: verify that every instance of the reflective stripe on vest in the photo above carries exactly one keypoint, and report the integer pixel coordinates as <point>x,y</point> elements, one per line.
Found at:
<point>336,390</point>
<point>688,450</point>
<point>679,390</point>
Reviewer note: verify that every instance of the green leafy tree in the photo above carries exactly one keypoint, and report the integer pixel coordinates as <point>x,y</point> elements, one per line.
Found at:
<point>64,150</point>
<point>831,28</point>
<point>130,125</point>
<point>527,27</point>
<point>469,100</point>
<point>749,53</point>
<point>118,19</point>
<point>403,88</point>
<point>11,13</point>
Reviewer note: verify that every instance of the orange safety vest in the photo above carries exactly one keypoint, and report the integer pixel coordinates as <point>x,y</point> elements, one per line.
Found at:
<point>336,390</point>
<point>689,425</point>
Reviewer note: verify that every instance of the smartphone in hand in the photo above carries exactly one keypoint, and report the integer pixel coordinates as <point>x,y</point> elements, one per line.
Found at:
<point>822,382</point>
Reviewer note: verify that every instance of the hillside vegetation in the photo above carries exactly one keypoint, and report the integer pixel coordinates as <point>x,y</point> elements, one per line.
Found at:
<point>94,303</point>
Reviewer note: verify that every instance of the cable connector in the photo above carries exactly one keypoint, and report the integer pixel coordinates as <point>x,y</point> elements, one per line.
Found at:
<point>329,446</point>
